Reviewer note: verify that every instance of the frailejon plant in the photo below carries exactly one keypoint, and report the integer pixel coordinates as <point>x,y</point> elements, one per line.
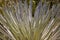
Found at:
<point>17,23</point>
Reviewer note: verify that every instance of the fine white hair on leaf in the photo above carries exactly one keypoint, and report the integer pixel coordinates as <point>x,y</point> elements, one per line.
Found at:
<point>17,22</point>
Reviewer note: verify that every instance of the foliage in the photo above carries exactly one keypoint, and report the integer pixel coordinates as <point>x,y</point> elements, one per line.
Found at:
<point>17,22</point>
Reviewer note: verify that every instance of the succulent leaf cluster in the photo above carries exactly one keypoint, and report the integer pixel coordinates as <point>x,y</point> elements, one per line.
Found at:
<point>17,22</point>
